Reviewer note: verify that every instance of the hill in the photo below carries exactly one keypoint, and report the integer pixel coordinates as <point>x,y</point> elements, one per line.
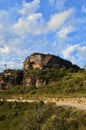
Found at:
<point>44,74</point>
<point>44,78</point>
<point>36,61</point>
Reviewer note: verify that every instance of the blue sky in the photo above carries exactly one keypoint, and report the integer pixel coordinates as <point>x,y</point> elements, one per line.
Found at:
<point>48,26</point>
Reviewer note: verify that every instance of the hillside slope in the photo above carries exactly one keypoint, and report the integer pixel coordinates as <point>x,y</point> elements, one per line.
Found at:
<point>45,75</point>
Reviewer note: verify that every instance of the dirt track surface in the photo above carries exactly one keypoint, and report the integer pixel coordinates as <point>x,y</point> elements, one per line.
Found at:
<point>79,103</point>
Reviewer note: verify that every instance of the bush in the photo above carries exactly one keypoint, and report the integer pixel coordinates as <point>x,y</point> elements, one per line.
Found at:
<point>40,116</point>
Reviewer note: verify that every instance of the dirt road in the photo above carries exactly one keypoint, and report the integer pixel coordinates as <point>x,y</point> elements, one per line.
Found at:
<point>79,103</point>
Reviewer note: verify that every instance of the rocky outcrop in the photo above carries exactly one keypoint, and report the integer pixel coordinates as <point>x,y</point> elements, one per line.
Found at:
<point>36,60</point>
<point>11,78</point>
<point>39,60</point>
<point>40,83</point>
<point>29,81</point>
<point>34,71</point>
<point>34,78</point>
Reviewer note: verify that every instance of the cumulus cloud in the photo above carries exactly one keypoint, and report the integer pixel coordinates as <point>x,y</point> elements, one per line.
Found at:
<point>28,21</point>
<point>58,19</point>
<point>29,8</point>
<point>32,24</point>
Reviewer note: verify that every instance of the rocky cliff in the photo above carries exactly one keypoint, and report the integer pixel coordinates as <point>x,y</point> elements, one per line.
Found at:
<point>42,62</point>
<point>37,71</point>
<point>39,60</point>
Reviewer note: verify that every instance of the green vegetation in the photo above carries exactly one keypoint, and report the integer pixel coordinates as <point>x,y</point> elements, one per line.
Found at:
<point>60,83</point>
<point>40,116</point>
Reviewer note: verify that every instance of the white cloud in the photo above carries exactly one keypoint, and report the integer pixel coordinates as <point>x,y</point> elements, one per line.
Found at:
<point>35,23</point>
<point>82,52</point>
<point>10,65</point>
<point>65,30</point>
<point>13,45</point>
<point>30,7</point>
<point>4,50</point>
<point>73,51</point>
<point>26,30</point>
<point>69,49</point>
<point>58,19</point>
<point>32,24</point>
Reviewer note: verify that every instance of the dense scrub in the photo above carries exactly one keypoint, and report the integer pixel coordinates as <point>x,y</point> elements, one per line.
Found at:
<point>61,82</point>
<point>40,116</point>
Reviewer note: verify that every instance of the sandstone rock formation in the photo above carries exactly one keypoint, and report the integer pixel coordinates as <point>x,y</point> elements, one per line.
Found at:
<point>34,71</point>
<point>36,82</point>
<point>39,60</point>
<point>42,61</point>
